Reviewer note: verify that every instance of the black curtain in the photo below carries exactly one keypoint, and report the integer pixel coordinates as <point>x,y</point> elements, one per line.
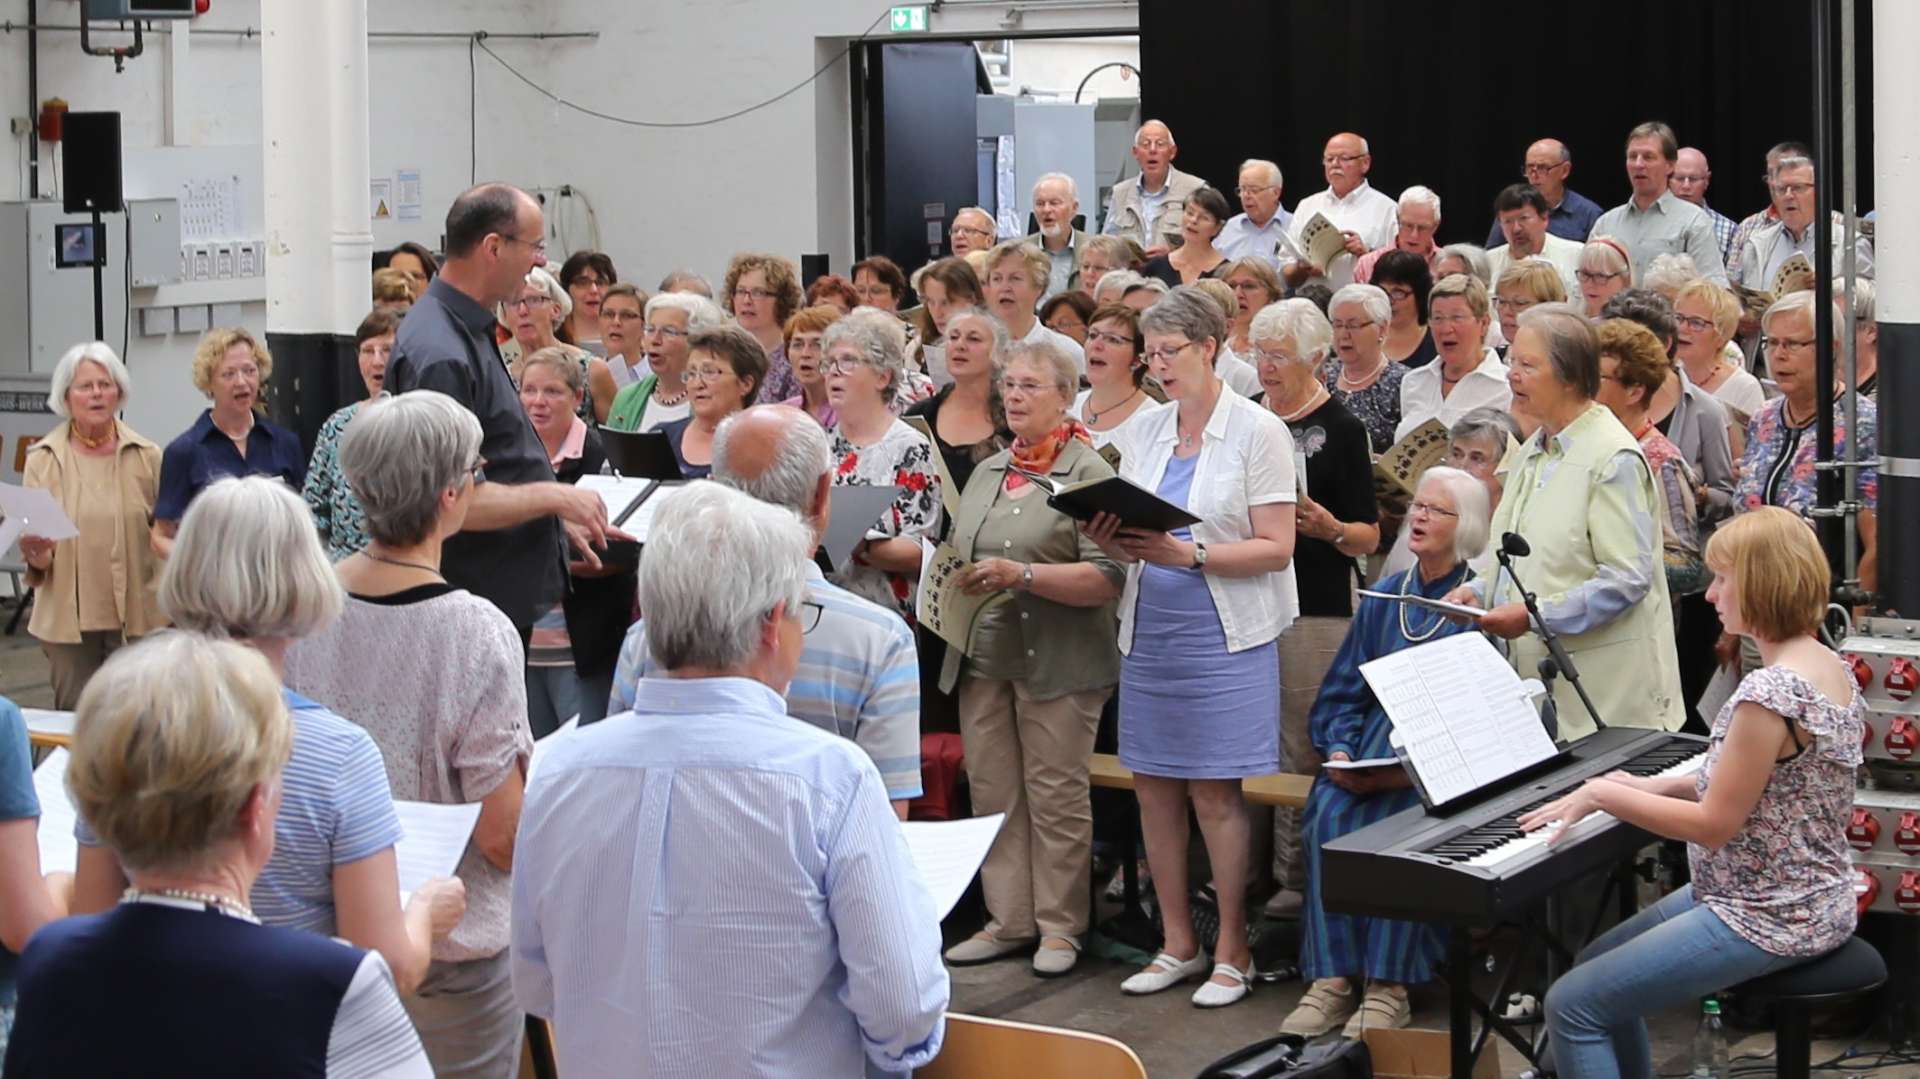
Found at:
<point>1450,94</point>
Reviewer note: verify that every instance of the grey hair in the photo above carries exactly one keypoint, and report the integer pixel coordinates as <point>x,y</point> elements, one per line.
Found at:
<point>1151,284</point>
<point>1073,189</point>
<point>687,282</point>
<point>791,477</point>
<point>562,362</point>
<point>1188,312</point>
<point>1299,320</point>
<point>400,453</point>
<point>69,366</point>
<point>1163,127</point>
<point>1573,348</point>
<point>1669,271</point>
<point>1799,302</point>
<point>1272,170</point>
<point>1604,254</point>
<point>1863,303</point>
<point>1052,359</point>
<point>1795,161</point>
<point>1371,298</point>
<point>1420,195</point>
<point>1002,340</point>
<point>1474,256</point>
<point>881,339</point>
<point>702,313</point>
<point>1116,282</point>
<point>719,561</point>
<point>1472,506</point>
<point>1486,423</point>
<point>247,562</point>
<point>540,278</point>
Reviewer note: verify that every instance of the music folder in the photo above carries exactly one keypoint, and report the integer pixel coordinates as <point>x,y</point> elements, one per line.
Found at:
<point>1136,506</point>
<point>646,455</point>
<point>855,509</point>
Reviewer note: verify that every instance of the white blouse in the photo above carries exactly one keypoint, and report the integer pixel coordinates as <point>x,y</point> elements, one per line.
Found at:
<point>1246,460</point>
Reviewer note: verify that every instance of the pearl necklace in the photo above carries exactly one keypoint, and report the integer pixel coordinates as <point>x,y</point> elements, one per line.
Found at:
<point>206,899</point>
<point>1406,630</point>
<point>1313,401</point>
<point>1356,384</point>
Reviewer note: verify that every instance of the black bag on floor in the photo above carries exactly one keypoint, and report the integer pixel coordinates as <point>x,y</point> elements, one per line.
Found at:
<point>1288,1055</point>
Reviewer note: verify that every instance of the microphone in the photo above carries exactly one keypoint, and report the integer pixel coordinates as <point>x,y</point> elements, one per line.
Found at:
<point>1514,545</point>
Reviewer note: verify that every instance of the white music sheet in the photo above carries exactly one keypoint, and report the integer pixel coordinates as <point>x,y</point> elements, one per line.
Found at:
<point>58,849</point>
<point>948,853</point>
<point>1462,713</point>
<point>433,839</point>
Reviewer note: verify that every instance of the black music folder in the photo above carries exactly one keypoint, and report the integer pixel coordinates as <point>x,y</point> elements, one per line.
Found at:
<point>1136,506</point>
<point>646,455</point>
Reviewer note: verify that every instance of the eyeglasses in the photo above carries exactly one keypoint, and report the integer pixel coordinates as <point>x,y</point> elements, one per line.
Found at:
<point>969,230</point>
<point>653,328</point>
<point>539,246</point>
<point>1532,169</point>
<point>1790,190</point>
<point>1112,339</point>
<point>1008,386</point>
<point>1246,192</point>
<point>760,294</point>
<point>1276,357</point>
<point>842,366</point>
<point>528,301</point>
<point>1398,293</point>
<point>1351,325</point>
<point>619,314</point>
<point>809,615</point>
<point>478,470</point>
<point>1451,320</point>
<point>1340,159</point>
<point>1428,509</point>
<point>1594,277</point>
<point>1506,304</point>
<point>1692,324</point>
<point>1786,344</point>
<point>708,373</point>
<point>1166,355</point>
<point>236,374</point>
<point>1154,144</point>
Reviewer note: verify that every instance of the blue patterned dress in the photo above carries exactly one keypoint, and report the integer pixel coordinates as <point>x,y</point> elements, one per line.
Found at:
<point>1346,718</point>
<point>336,512</point>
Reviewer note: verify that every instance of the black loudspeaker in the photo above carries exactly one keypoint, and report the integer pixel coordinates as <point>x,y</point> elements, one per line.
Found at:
<point>812,268</point>
<point>90,163</point>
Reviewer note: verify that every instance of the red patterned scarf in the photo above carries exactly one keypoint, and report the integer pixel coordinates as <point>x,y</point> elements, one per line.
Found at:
<point>1038,457</point>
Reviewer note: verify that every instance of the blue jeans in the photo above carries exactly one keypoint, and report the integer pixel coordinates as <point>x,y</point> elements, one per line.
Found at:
<point>1669,955</point>
<point>553,697</point>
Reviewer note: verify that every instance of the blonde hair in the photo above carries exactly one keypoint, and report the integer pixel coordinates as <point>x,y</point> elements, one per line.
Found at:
<point>1465,286</point>
<point>392,286</point>
<point>1780,572</point>
<point>248,563</point>
<point>1257,269</point>
<point>1030,255</point>
<point>213,347</point>
<point>562,362</point>
<point>1721,303</point>
<point>1539,277</point>
<point>1221,293</point>
<point>171,737</point>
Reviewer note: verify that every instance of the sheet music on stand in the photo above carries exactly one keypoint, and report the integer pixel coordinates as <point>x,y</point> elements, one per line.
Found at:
<point>1462,714</point>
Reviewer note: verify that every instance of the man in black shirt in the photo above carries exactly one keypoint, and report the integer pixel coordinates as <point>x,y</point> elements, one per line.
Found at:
<point>513,550</point>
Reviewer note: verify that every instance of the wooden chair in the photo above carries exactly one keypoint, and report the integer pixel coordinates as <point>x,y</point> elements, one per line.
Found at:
<point>979,1048</point>
<point>536,1051</point>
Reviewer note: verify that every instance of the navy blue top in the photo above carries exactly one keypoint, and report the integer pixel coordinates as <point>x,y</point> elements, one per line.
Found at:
<point>204,453</point>
<point>1572,220</point>
<point>17,802</point>
<point>145,989</point>
<point>676,431</point>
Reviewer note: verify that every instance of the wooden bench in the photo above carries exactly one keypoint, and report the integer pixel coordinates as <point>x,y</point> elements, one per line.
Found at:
<point>1278,790</point>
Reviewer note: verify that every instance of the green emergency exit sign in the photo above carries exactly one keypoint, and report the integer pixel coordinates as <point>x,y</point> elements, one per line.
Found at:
<point>909,19</point>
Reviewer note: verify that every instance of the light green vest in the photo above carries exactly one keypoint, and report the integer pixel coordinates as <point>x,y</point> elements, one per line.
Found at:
<point>1628,666</point>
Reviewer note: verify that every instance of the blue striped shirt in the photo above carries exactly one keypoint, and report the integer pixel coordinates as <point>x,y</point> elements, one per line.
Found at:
<point>335,808</point>
<point>702,887</point>
<point>859,677</point>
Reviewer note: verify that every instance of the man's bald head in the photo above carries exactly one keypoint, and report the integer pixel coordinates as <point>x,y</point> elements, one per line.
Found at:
<point>1546,166</point>
<point>1345,162</point>
<point>1690,176</point>
<point>777,454</point>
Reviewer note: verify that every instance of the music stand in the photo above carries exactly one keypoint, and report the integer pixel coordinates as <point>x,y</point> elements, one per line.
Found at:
<point>644,455</point>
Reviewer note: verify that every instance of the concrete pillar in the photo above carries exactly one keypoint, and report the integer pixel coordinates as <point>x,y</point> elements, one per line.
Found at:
<point>1896,167</point>
<point>313,66</point>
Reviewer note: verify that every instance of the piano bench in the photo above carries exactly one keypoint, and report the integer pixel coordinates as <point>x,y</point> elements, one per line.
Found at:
<point>1848,971</point>
<point>1105,770</point>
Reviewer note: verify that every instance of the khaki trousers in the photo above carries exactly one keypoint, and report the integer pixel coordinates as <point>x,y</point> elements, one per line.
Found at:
<point>1307,649</point>
<point>69,666</point>
<point>1028,759</point>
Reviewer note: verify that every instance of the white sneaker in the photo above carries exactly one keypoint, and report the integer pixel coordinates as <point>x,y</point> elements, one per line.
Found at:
<point>1172,971</point>
<point>1212,994</point>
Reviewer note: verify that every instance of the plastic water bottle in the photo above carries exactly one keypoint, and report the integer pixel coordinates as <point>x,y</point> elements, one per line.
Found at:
<point>1709,1044</point>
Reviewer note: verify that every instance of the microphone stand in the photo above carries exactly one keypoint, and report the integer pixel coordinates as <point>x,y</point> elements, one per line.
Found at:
<point>1554,650</point>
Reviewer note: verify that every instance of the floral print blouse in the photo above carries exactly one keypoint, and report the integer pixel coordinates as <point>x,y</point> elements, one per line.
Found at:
<point>1776,468</point>
<point>1377,407</point>
<point>902,457</point>
<point>1784,882</point>
<point>336,512</point>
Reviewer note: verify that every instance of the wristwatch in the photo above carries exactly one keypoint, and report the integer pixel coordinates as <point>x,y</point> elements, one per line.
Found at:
<point>1026,577</point>
<point>1199,555</point>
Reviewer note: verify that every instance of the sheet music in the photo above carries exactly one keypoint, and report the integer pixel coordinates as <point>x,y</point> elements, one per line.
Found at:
<point>32,511</point>
<point>942,606</point>
<point>433,838</point>
<point>948,853</point>
<point>617,492</point>
<point>45,723</point>
<point>855,509</point>
<point>1462,713</point>
<point>58,848</point>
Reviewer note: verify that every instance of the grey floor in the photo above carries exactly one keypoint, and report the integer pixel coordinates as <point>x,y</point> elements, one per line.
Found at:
<point>1173,1038</point>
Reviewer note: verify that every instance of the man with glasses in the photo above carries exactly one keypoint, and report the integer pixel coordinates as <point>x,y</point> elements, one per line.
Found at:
<point>514,549</point>
<point>972,230</point>
<point>859,673</point>
<point>1056,199</point>
<point>1365,217</point>
<point>1147,208</point>
<point>1690,178</point>
<point>1262,230</point>
<point>1654,221</point>
<point>1570,215</point>
<point>1771,245</point>
<point>1418,211</point>
<point>1524,217</point>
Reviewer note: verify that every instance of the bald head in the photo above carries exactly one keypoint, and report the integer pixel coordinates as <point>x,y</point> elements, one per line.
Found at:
<point>1546,167</point>
<point>777,454</point>
<point>1690,176</point>
<point>1346,161</point>
<point>1154,149</point>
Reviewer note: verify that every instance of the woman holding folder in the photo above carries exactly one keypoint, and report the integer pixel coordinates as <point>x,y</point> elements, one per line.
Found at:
<point>1199,621</point>
<point>1037,669</point>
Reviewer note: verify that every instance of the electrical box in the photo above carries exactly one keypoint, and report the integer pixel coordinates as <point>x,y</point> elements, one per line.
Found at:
<point>154,236</point>
<point>54,305</point>
<point>140,9</point>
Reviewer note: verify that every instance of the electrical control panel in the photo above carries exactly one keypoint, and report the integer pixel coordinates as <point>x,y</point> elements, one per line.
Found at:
<point>1884,658</point>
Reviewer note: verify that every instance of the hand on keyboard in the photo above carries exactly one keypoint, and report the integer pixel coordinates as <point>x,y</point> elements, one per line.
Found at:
<point>1563,813</point>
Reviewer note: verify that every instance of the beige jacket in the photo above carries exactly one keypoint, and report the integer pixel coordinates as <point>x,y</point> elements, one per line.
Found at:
<point>136,569</point>
<point>1127,216</point>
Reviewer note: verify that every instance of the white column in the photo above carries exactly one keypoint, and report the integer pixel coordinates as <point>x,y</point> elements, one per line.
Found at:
<point>313,60</point>
<point>1896,266</point>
